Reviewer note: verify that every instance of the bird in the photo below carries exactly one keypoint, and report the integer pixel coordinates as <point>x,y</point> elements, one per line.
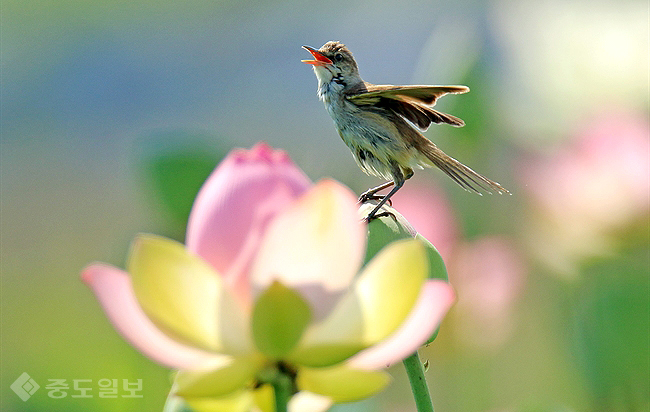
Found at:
<point>382,124</point>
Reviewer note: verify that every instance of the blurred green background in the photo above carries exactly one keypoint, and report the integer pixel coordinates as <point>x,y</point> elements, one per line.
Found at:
<point>114,112</point>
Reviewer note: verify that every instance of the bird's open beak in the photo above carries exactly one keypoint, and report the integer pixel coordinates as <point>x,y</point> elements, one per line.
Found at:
<point>320,60</point>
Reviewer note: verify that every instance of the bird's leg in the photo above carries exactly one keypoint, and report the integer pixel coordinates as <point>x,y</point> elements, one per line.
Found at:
<point>384,199</point>
<point>398,182</point>
<point>370,194</point>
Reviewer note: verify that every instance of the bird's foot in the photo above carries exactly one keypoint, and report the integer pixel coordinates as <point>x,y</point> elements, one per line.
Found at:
<point>370,195</point>
<point>373,216</point>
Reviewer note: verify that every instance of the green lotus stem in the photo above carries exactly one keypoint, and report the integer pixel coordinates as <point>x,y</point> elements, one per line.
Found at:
<point>415,372</point>
<point>282,388</point>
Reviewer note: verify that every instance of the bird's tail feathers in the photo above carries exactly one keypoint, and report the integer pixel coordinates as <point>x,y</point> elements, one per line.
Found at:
<point>459,173</point>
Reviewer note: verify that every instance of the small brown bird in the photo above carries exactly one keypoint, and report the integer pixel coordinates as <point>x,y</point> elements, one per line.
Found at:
<point>379,124</point>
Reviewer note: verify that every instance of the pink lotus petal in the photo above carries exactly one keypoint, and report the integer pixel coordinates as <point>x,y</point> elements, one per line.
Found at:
<point>234,206</point>
<point>113,289</point>
<point>433,303</point>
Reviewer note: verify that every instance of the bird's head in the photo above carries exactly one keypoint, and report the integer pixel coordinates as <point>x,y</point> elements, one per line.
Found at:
<point>334,62</point>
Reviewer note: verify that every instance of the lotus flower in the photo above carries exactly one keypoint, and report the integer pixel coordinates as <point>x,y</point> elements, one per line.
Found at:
<point>271,277</point>
<point>489,275</point>
<point>591,187</point>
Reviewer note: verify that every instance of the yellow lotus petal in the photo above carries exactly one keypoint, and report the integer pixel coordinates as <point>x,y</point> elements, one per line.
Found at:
<point>434,301</point>
<point>264,399</point>
<point>243,400</point>
<point>389,287</point>
<point>240,401</point>
<point>341,383</point>
<point>380,300</point>
<point>185,297</point>
<point>217,380</point>
<point>113,288</point>
<point>325,354</point>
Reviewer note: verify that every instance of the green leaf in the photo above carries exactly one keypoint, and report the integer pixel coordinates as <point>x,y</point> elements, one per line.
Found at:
<point>174,166</point>
<point>279,318</point>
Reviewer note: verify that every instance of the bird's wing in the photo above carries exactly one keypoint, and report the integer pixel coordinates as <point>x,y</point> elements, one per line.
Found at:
<point>410,102</point>
<point>426,95</point>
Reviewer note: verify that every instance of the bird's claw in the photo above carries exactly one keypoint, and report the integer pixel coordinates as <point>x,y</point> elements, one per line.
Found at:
<point>367,196</point>
<point>372,217</point>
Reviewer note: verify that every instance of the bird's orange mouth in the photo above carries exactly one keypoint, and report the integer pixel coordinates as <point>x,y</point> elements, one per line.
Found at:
<point>320,59</point>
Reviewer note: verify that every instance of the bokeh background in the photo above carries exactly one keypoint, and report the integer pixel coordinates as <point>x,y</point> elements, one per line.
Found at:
<point>114,112</point>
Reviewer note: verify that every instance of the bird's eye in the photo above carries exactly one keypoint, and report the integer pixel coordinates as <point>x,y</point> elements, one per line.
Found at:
<point>338,57</point>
